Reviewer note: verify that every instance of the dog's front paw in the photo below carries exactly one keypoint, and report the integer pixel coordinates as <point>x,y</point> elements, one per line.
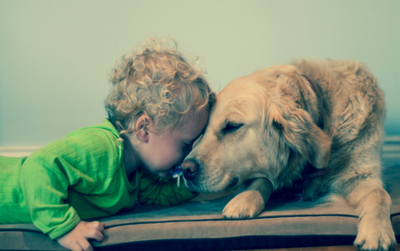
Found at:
<point>375,235</point>
<point>247,204</point>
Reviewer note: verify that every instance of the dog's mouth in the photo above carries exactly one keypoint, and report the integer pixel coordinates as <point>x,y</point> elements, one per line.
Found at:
<point>208,188</point>
<point>233,183</point>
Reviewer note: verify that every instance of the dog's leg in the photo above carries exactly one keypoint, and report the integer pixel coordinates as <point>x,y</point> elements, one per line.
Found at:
<point>373,204</point>
<point>251,201</point>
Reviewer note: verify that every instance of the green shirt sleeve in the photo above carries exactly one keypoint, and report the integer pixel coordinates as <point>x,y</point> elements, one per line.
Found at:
<point>44,183</point>
<point>154,190</point>
<point>70,163</point>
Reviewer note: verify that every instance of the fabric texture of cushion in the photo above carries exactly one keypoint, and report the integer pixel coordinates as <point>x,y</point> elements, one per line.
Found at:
<point>201,226</point>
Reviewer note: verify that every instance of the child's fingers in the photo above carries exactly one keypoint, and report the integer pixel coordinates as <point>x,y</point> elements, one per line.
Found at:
<point>96,225</point>
<point>85,245</point>
<point>98,236</point>
<point>74,246</point>
<point>94,234</point>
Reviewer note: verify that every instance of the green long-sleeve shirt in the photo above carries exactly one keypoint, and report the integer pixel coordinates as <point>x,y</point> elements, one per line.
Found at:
<point>76,178</point>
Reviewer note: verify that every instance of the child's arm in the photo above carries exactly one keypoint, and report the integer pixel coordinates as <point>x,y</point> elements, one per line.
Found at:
<point>44,182</point>
<point>76,239</point>
<point>50,176</point>
<point>154,190</point>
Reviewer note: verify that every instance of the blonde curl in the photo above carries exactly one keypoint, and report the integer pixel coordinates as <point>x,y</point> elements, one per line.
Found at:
<point>156,81</point>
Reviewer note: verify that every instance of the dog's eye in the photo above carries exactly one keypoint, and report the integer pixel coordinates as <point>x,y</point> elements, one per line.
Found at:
<point>231,127</point>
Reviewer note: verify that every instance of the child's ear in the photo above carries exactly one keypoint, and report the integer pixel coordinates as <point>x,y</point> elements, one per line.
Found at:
<point>142,128</point>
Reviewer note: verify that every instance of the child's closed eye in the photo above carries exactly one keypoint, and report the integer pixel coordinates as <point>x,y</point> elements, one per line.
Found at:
<point>187,147</point>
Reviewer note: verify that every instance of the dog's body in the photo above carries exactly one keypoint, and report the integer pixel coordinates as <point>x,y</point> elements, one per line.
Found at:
<point>266,127</point>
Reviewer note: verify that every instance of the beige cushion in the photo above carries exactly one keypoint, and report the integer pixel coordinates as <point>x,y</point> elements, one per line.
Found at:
<point>195,225</point>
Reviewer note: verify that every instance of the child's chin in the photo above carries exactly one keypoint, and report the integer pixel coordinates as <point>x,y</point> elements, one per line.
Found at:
<point>159,173</point>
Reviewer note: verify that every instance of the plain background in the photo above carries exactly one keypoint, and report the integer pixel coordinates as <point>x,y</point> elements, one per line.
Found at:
<point>55,56</point>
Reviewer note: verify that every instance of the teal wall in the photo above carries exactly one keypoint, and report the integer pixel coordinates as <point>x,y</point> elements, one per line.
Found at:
<point>55,56</point>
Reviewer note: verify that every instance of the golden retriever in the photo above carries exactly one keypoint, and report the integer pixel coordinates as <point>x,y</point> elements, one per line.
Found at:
<point>272,128</point>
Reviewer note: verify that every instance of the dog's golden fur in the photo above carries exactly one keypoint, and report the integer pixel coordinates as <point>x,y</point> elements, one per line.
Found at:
<point>266,126</point>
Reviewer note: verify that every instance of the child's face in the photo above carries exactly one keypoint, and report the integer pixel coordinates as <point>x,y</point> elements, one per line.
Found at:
<point>167,149</point>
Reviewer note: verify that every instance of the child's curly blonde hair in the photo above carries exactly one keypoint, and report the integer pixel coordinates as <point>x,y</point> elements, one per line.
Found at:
<point>156,81</point>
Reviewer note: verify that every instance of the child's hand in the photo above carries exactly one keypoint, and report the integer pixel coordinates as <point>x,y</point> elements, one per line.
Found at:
<point>77,238</point>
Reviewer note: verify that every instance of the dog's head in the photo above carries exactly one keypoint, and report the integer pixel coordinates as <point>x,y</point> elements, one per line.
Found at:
<point>262,125</point>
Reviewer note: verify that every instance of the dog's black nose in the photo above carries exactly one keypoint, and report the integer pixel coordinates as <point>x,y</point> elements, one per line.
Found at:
<point>190,168</point>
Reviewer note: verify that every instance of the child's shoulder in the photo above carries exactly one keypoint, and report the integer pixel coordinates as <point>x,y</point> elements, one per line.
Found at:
<point>97,134</point>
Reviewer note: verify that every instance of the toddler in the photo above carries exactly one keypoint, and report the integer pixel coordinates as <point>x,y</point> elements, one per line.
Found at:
<point>158,106</point>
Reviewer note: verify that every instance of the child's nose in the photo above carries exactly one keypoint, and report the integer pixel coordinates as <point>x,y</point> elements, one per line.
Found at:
<point>190,168</point>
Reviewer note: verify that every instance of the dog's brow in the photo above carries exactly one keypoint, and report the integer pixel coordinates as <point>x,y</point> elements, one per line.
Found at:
<point>236,116</point>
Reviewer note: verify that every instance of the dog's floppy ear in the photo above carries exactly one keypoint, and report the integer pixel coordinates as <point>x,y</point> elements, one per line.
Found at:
<point>304,136</point>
